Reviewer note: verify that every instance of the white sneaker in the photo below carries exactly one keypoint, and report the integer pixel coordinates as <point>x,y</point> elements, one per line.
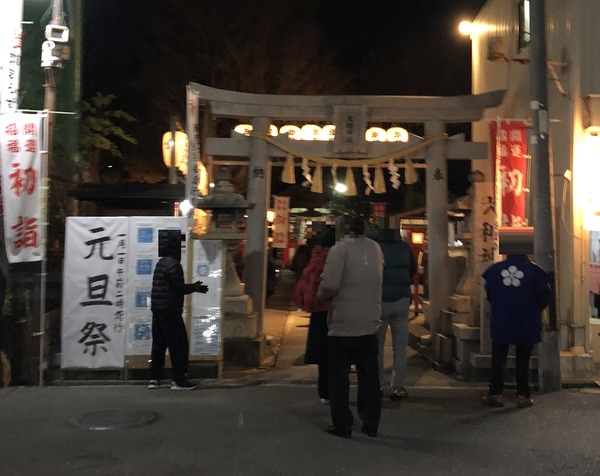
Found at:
<point>183,385</point>
<point>153,384</point>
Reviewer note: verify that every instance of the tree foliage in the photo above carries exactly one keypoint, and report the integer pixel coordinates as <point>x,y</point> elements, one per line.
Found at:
<point>101,128</point>
<point>268,47</point>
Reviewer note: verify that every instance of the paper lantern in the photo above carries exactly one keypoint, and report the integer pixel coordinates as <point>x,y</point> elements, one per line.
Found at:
<point>397,134</point>
<point>181,148</point>
<point>293,132</point>
<point>310,132</point>
<point>245,129</point>
<point>327,132</point>
<point>376,134</point>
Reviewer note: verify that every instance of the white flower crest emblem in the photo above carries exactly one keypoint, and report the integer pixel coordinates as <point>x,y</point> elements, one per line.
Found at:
<point>512,276</point>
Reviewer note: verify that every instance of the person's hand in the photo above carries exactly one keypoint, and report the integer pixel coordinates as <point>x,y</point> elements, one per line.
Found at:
<point>200,288</point>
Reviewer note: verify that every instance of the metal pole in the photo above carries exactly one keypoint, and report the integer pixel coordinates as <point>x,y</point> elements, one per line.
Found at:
<point>172,168</point>
<point>45,187</point>
<point>543,195</point>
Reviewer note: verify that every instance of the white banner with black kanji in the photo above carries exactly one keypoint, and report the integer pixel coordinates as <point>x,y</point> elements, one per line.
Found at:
<point>94,294</point>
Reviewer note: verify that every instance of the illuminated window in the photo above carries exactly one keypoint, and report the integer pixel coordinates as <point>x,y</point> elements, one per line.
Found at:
<point>524,24</point>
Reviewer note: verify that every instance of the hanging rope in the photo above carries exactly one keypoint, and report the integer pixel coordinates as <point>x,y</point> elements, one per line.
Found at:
<point>410,177</point>
<point>404,153</point>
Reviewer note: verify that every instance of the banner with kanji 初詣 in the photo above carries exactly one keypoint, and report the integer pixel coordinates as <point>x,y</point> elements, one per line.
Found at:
<point>94,294</point>
<point>20,164</point>
<point>508,141</point>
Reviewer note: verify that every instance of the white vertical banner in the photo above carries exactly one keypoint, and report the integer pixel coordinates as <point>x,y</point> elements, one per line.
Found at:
<point>143,256</point>
<point>20,164</point>
<point>350,126</point>
<point>281,222</point>
<point>10,53</point>
<point>205,325</point>
<point>94,285</point>
<point>193,156</point>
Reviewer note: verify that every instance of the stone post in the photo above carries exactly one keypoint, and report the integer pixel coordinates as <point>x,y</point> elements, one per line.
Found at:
<point>437,224</point>
<point>259,180</point>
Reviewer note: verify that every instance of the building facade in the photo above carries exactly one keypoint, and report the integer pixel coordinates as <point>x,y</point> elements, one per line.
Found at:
<point>500,60</point>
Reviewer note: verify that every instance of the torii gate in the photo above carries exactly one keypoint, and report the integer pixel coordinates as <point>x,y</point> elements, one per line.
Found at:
<point>261,109</point>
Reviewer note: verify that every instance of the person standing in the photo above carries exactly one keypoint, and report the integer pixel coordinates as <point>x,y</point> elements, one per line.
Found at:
<point>398,271</point>
<point>168,328</point>
<point>518,291</point>
<point>305,297</point>
<point>352,279</point>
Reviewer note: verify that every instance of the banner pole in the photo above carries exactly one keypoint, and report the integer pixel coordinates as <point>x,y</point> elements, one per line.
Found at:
<point>43,238</point>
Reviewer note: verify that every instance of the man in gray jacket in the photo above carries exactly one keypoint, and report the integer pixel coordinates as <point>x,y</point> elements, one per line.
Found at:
<point>352,279</point>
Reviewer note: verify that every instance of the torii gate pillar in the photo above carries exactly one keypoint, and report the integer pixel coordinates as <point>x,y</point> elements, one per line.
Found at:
<point>259,188</point>
<point>437,225</point>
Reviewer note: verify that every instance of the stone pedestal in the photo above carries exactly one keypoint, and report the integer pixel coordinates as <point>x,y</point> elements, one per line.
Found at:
<point>461,306</point>
<point>242,343</point>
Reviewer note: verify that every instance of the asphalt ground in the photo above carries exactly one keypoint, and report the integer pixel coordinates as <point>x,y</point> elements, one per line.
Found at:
<point>269,421</point>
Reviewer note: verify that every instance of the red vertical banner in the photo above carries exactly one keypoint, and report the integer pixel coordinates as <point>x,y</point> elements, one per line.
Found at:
<point>281,223</point>
<point>378,210</point>
<point>508,142</point>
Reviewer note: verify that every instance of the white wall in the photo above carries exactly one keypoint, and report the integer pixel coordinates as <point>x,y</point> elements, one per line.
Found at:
<point>572,37</point>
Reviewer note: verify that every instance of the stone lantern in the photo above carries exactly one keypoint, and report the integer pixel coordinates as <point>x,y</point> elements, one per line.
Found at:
<point>227,223</point>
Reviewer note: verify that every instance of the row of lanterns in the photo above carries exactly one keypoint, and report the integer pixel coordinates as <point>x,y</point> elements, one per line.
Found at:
<point>327,133</point>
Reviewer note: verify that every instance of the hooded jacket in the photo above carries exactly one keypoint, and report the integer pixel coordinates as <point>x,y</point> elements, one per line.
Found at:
<point>518,290</point>
<point>168,286</point>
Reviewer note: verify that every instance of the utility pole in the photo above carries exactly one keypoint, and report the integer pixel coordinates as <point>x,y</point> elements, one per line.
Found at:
<point>172,166</point>
<point>543,196</point>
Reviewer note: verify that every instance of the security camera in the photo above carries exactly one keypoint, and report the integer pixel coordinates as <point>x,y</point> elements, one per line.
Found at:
<point>49,58</point>
<point>57,33</point>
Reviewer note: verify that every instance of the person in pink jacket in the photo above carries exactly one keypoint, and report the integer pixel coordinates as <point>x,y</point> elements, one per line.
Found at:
<point>305,297</point>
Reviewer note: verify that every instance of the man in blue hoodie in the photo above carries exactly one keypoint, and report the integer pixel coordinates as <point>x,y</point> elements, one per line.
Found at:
<point>518,291</point>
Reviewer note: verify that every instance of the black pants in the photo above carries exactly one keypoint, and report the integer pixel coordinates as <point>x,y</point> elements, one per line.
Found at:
<point>361,351</point>
<point>168,332</point>
<point>523,355</point>
<point>316,350</point>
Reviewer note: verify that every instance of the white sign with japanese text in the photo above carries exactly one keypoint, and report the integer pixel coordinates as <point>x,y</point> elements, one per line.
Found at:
<point>205,325</point>
<point>20,163</point>
<point>94,283</point>
<point>350,127</point>
<point>143,256</point>
<point>281,222</point>
<point>10,54</point>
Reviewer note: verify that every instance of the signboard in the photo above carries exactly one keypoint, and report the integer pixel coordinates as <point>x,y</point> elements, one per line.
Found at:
<point>107,281</point>
<point>281,222</point>
<point>143,256</point>
<point>205,319</point>
<point>94,283</point>
<point>508,140</point>
<point>350,126</point>
<point>10,54</point>
<point>21,165</point>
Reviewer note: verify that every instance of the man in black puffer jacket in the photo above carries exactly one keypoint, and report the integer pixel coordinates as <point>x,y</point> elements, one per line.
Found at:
<point>168,328</point>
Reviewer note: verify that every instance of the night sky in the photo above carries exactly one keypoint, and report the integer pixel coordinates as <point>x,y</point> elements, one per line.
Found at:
<point>145,52</point>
